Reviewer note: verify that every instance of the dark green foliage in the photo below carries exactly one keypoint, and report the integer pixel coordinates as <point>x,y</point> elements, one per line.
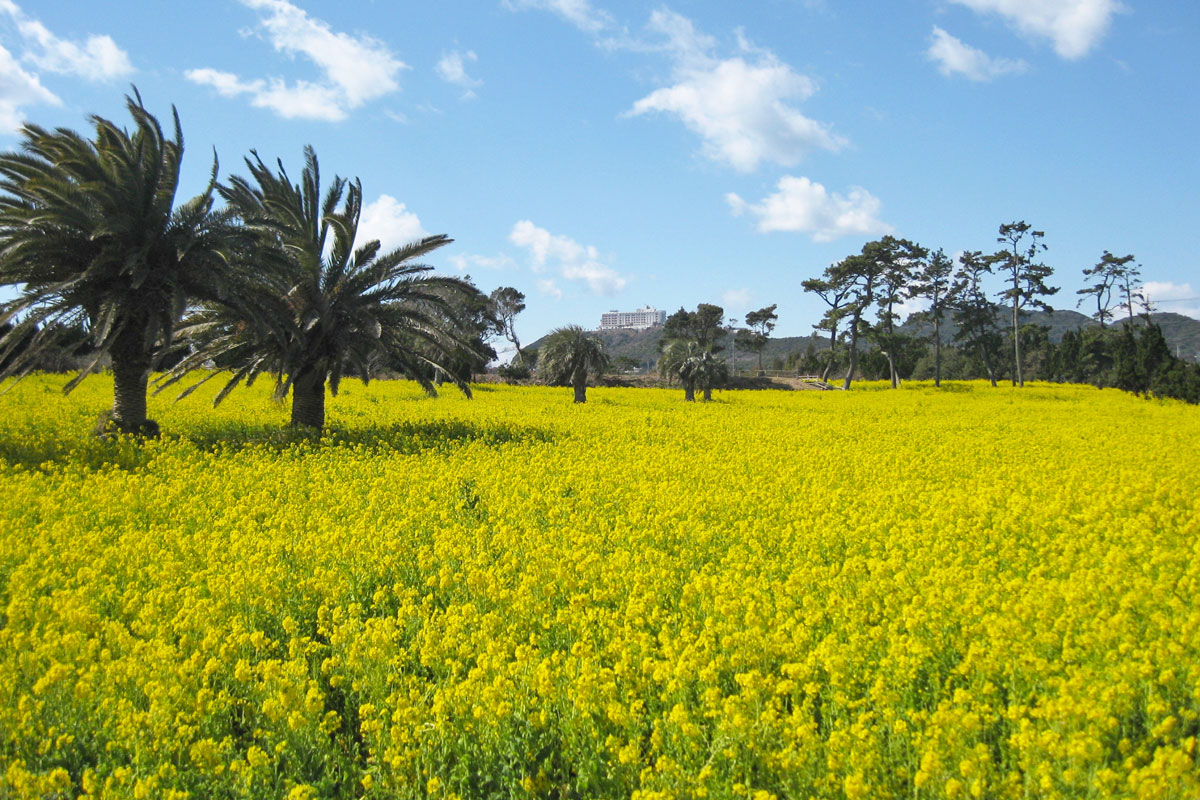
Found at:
<point>91,231</point>
<point>761,323</point>
<point>571,356</point>
<point>933,283</point>
<point>1026,277</point>
<point>702,326</point>
<point>504,304</point>
<point>312,307</point>
<point>1110,273</point>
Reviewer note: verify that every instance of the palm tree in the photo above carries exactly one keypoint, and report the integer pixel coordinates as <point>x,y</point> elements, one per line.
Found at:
<point>570,355</point>
<point>694,366</point>
<point>90,230</point>
<point>675,354</point>
<point>704,373</point>
<point>316,308</point>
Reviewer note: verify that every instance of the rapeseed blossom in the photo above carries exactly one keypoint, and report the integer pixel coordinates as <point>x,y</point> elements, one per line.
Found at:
<point>968,592</point>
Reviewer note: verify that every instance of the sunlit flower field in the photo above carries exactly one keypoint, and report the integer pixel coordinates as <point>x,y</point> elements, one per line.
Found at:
<point>965,592</point>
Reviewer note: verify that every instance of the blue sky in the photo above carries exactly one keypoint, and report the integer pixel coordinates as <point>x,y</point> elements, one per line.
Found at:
<point>605,154</point>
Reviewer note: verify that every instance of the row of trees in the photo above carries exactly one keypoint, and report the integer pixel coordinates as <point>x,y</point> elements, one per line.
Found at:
<point>863,291</point>
<point>273,280</point>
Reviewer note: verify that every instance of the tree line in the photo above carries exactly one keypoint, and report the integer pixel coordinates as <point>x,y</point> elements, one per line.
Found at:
<point>112,270</point>
<point>275,280</point>
<point>983,299</point>
<point>862,292</point>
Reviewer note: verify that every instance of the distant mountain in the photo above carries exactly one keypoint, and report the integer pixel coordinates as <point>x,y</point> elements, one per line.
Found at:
<point>1182,334</point>
<point>642,346</point>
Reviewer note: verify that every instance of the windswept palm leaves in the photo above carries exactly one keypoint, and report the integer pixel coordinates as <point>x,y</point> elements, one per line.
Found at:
<point>90,231</point>
<point>570,355</point>
<point>314,308</point>
<point>694,366</point>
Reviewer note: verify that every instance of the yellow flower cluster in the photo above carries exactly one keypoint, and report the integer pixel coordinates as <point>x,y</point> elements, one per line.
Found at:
<point>963,593</point>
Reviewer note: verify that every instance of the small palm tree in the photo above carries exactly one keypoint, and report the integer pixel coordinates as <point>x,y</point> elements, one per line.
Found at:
<point>90,230</point>
<point>675,354</point>
<point>568,356</point>
<point>695,367</point>
<point>315,308</point>
<point>704,373</point>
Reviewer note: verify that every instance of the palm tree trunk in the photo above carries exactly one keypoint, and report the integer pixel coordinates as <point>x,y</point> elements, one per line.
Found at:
<point>580,384</point>
<point>707,393</point>
<point>131,377</point>
<point>689,392</point>
<point>308,400</point>
<point>130,381</point>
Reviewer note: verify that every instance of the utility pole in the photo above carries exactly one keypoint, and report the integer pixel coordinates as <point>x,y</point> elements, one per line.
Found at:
<point>733,346</point>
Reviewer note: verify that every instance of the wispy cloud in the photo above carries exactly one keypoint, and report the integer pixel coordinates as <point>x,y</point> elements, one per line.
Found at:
<point>736,299</point>
<point>452,68</point>
<point>803,206</point>
<point>548,287</point>
<point>572,260</point>
<point>35,48</point>
<point>1178,298</point>
<point>580,13</point>
<point>742,106</point>
<point>1074,27</point>
<point>353,69</point>
<point>464,262</point>
<point>97,58</point>
<point>18,89</point>
<point>955,57</point>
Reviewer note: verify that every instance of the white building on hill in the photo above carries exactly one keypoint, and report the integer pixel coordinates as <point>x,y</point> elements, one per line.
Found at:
<point>642,318</point>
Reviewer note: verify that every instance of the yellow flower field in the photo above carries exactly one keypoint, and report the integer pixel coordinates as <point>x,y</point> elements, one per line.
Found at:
<point>966,592</point>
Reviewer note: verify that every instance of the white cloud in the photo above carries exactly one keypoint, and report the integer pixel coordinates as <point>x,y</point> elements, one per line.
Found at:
<point>804,206</point>
<point>572,260</point>
<point>354,69</point>
<point>739,106</point>
<point>97,59</point>
<point>955,57</point>
<point>452,69</point>
<point>735,299</point>
<point>1074,26</point>
<point>19,88</point>
<point>550,288</point>
<point>389,221</point>
<point>1177,298</point>
<point>911,306</point>
<point>463,262</point>
<point>579,13</point>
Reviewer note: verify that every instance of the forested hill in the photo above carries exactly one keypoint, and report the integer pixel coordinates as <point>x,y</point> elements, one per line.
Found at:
<point>1182,334</point>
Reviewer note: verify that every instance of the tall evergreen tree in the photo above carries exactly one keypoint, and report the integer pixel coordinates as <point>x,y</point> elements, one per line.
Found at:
<point>898,261</point>
<point>1026,276</point>
<point>974,313</point>
<point>505,303</point>
<point>835,295</point>
<point>1109,273</point>
<point>761,323</point>
<point>932,283</point>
